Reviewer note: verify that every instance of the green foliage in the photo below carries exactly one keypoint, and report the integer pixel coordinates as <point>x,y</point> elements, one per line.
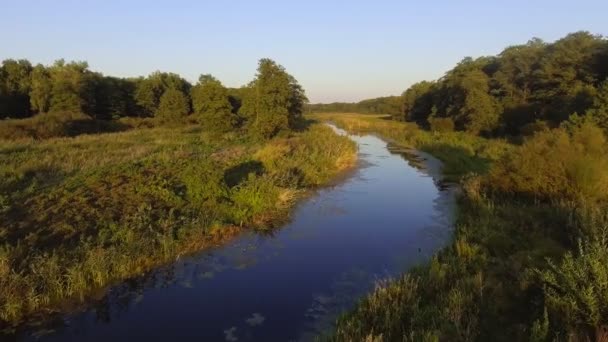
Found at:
<point>173,106</point>
<point>68,86</point>
<point>441,124</point>
<point>417,102</point>
<point>556,164</point>
<point>211,104</point>
<point>149,90</point>
<point>40,94</point>
<point>14,88</point>
<point>59,124</point>
<point>576,290</point>
<point>524,84</point>
<point>274,102</point>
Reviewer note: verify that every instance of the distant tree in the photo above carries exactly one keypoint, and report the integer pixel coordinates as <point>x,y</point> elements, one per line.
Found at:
<point>68,86</point>
<point>211,104</point>
<point>113,97</point>
<point>417,102</point>
<point>173,106</point>
<point>14,88</point>
<point>563,72</point>
<point>515,73</point>
<point>41,87</point>
<point>275,100</point>
<point>149,90</point>
<point>465,97</point>
<point>598,112</point>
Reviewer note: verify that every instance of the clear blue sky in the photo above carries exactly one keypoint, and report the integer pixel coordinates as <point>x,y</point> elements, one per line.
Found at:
<point>338,50</point>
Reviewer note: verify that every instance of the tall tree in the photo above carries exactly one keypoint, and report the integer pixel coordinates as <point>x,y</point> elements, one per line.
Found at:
<point>417,102</point>
<point>150,90</point>
<point>68,86</point>
<point>14,88</point>
<point>275,101</point>
<point>41,86</point>
<point>211,105</point>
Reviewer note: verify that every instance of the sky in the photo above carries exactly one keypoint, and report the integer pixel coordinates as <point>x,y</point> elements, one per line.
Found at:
<point>338,50</point>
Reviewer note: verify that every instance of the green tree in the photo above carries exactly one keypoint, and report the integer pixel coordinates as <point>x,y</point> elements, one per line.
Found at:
<point>563,73</point>
<point>274,102</point>
<point>173,106</point>
<point>465,96</point>
<point>211,105</point>
<point>41,86</point>
<point>112,97</point>
<point>14,88</point>
<point>417,102</point>
<point>149,90</point>
<point>68,86</point>
<point>598,112</point>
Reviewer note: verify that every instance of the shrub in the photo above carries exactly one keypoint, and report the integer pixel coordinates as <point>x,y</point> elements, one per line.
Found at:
<point>173,106</point>
<point>57,124</point>
<point>441,124</point>
<point>576,290</point>
<point>556,165</point>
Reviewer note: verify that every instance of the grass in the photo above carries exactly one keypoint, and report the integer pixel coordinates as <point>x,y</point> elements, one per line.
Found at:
<point>514,270</point>
<point>77,214</point>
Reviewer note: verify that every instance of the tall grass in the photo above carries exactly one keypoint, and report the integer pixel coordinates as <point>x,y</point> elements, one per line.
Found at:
<point>80,213</point>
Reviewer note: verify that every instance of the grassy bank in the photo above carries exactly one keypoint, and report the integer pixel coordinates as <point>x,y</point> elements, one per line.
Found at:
<point>77,214</point>
<point>528,257</point>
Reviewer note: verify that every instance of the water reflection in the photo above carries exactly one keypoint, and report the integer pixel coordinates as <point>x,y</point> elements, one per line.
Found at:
<point>290,285</point>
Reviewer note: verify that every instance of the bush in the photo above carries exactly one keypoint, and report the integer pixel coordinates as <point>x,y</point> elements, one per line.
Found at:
<point>441,124</point>
<point>556,165</point>
<point>576,291</point>
<point>173,106</point>
<point>50,125</point>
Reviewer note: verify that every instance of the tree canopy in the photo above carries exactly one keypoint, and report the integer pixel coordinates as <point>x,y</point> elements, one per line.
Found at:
<point>274,100</point>
<point>212,106</point>
<point>271,103</point>
<point>523,85</point>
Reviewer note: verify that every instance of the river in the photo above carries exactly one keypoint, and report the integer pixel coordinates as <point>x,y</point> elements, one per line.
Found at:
<point>386,216</point>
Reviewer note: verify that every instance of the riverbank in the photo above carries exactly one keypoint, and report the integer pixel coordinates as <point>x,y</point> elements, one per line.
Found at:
<point>79,214</point>
<point>494,281</point>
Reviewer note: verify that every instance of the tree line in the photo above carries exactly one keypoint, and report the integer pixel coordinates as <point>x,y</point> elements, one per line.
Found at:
<point>272,102</point>
<point>381,105</point>
<point>525,88</point>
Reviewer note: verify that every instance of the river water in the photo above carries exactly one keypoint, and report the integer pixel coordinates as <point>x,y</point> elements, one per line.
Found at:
<point>387,216</point>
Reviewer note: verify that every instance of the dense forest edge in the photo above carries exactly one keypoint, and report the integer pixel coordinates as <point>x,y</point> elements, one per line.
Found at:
<point>102,179</point>
<point>524,135</point>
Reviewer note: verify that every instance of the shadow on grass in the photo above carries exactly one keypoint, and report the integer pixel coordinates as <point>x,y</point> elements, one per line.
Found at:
<point>238,174</point>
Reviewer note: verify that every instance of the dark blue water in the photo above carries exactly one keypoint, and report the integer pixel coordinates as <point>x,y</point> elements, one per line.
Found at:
<point>383,219</point>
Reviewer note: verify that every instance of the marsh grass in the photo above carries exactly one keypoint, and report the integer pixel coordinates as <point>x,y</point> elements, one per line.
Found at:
<point>77,214</point>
